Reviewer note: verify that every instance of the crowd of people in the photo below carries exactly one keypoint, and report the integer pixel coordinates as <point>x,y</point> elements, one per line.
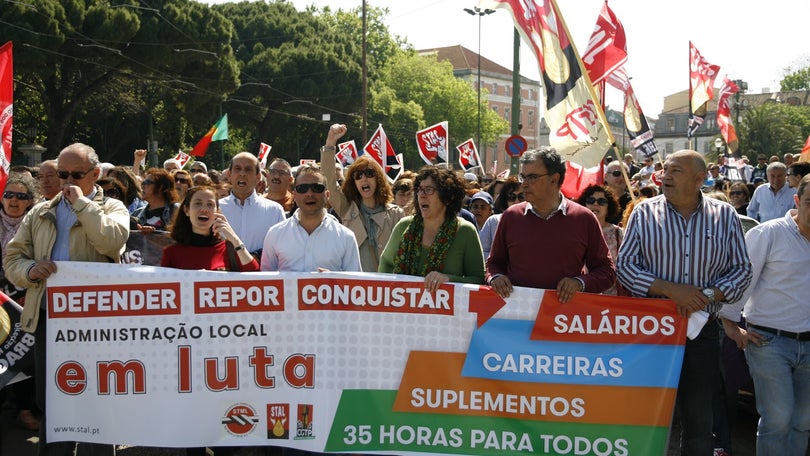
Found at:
<point>674,229</point>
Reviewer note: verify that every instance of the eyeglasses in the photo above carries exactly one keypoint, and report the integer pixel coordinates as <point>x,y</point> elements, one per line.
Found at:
<point>180,180</point>
<point>278,172</point>
<point>148,182</point>
<point>359,174</point>
<point>427,190</point>
<point>8,194</point>
<point>514,196</point>
<point>615,173</point>
<point>599,201</point>
<point>530,178</point>
<point>74,174</point>
<point>736,193</point>
<point>316,188</point>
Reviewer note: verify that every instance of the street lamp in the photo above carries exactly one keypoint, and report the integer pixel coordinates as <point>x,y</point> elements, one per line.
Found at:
<point>477,11</point>
<point>718,144</point>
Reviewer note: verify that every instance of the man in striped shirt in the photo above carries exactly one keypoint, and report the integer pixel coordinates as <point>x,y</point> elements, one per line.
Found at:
<point>691,249</point>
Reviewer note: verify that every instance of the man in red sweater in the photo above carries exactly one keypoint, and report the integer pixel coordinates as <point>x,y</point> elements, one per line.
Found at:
<point>548,241</point>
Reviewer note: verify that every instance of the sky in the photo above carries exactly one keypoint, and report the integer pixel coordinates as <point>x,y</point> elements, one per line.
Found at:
<point>752,41</point>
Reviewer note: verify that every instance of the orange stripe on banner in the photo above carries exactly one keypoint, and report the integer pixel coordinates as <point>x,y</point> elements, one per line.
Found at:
<point>432,383</point>
<point>609,319</point>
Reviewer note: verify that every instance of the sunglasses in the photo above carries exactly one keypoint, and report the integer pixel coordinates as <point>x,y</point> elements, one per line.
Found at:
<point>514,196</point>
<point>148,182</point>
<point>197,170</point>
<point>181,180</point>
<point>8,194</point>
<point>112,193</point>
<point>74,174</point>
<point>599,201</point>
<point>316,188</point>
<point>736,192</point>
<point>364,173</point>
<point>615,173</point>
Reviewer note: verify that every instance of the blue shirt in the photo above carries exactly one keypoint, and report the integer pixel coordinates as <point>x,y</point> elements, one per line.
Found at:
<point>766,205</point>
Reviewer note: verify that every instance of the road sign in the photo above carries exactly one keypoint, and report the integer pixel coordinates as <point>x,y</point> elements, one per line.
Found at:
<point>516,145</point>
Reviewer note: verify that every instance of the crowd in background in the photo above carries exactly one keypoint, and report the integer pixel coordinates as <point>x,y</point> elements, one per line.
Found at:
<point>436,223</point>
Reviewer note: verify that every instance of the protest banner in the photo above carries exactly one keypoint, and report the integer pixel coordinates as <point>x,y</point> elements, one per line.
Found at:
<point>354,362</point>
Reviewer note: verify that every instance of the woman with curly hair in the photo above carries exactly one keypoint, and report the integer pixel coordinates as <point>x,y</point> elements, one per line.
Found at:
<point>363,203</point>
<point>603,204</point>
<point>161,202</point>
<point>434,242</point>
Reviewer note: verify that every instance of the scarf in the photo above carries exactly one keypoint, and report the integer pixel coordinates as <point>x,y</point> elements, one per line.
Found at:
<point>410,247</point>
<point>8,228</point>
<point>368,223</point>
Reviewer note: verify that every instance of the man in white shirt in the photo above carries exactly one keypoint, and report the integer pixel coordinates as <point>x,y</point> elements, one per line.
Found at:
<point>249,214</point>
<point>773,200</point>
<point>310,240</point>
<point>777,343</point>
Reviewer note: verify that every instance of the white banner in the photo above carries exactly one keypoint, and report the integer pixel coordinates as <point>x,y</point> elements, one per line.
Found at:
<point>340,362</point>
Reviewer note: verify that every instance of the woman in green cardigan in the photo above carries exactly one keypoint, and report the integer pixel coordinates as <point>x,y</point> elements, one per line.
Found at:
<point>435,243</point>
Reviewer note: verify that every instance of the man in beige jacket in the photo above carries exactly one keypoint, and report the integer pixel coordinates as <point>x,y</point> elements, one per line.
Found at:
<point>78,224</point>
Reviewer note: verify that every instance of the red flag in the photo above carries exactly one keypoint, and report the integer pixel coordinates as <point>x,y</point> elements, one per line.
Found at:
<point>6,110</point>
<point>701,88</point>
<point>219,132</point>
<point>724,114</point>
<point>468,155</point>
<point>579,130</point>
<point>607,48</point>
<point>578,178</point>
<point>433,144</point>
<point>264,152</point>
<point>381,150</point>
<point>347,153</point>
<point>183,158</point>
<point>806,151</point>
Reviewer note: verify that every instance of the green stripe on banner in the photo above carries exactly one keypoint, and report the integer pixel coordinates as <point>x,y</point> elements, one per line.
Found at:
<point>364,421</point>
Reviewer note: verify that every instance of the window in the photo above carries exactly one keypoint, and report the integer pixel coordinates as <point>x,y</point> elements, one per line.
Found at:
<point>671,124</point>
<point>506,113</point>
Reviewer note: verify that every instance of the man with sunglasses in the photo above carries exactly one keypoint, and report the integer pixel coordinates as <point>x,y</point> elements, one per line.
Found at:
<point>310,240</point>
<point>547,241</point>
<point>249,214</point>
<point>78,224</point>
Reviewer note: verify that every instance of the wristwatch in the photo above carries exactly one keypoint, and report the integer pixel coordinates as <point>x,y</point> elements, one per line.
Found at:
<point>709,293</point>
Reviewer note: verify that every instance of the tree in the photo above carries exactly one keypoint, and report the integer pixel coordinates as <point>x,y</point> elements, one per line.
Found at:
<point>416,91</point>
<point>774,129</point>
<point>796,80</point>
<point>83,57</point>
<point>296,66</point>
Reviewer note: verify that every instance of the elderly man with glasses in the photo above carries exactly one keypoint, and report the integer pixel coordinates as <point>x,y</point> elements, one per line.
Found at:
<point>78,224</point>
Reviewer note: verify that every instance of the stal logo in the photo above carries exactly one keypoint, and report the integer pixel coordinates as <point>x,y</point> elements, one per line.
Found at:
<point>240,419</point>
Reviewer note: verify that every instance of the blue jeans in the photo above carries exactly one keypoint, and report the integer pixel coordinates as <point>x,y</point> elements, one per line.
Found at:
<point>699,376</point>
<point>781,372</point>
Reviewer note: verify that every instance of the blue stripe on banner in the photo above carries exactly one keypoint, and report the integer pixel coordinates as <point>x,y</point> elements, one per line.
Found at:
<point>501,350</point>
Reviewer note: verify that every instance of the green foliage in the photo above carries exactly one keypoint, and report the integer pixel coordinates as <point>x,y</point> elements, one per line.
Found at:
<point>415,91</point>
<point>796,80</point>
<point>774,129</point>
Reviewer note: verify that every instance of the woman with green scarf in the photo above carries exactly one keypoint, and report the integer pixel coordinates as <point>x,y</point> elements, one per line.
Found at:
<point>434,242</point>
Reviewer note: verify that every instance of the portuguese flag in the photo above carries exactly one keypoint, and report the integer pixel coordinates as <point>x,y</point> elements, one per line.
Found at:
<point>219,132</point>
